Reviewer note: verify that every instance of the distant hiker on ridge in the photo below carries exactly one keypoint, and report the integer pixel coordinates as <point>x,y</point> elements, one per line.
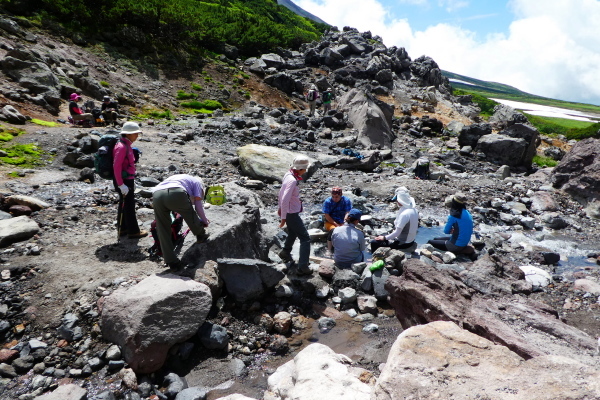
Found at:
<point>312,96</point>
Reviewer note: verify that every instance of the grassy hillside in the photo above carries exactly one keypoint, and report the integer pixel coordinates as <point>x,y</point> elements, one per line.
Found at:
<point>181,27</point>
<point>501,91</point>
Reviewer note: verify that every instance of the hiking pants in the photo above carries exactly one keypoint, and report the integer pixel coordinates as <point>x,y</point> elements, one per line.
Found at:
<point>444,243</point>
<point>392,244</point>
<point>296,229</point>
<point>165,201</point>
<point>312,105</point>
<point>81,117</point>
<point>110,116</point>
<point>128,219</point>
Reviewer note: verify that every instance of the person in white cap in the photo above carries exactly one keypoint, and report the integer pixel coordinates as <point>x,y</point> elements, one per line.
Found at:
<point>124,175</point>
<point>406,224</point>
<point>289,210</point>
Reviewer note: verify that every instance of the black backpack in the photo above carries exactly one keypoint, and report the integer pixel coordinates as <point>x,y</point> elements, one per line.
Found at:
<point>103,160</point>
<point>177,237</point>
<point>327,96</point>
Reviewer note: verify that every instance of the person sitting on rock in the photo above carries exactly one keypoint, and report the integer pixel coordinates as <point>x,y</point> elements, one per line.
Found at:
<point>335,210</point>
<point>177,193</point>
<point>110,110</point>
<point>312,96</point>
<point>348,241</point>
<point>327,99</point>
<point>76,112</point>
<point>459,225</point>
<point>406,224</point>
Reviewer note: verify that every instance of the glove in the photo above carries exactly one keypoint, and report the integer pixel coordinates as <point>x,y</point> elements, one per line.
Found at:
<point>124,189</point>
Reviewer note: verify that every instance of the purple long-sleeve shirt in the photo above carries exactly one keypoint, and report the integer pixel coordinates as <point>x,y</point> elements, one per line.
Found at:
<point>192,185</point>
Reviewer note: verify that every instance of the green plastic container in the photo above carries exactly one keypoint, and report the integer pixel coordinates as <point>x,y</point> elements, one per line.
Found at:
<point>376,265</point>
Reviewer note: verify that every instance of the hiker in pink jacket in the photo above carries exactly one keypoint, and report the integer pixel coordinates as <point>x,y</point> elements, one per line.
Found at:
<point>124,181</point>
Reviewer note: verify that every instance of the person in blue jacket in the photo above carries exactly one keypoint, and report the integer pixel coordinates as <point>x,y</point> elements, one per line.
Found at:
<point>459,225</point>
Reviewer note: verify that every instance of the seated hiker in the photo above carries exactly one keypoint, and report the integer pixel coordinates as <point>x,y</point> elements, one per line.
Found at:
<point>110,110</point>
<point>76,112</point>
<point>406,224</point>
<point>177,193</point>
<point>459,225</point>
<point>335,209</point>
<point>348,241</point>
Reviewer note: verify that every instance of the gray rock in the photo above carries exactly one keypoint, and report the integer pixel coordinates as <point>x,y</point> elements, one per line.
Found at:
<point>10,114</point>
<point>213,336</point>
<point>158,312</point>
<point>326,324</point>
<point>192,393</point>
<point>270,163</point>
<point>578,172</point>
<point>243,278</point>
<point>65,392</point>
<point>17,229</point>
<point>174,384</point>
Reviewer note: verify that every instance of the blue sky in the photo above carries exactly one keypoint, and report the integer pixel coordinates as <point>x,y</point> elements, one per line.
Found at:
<point>545,47</point>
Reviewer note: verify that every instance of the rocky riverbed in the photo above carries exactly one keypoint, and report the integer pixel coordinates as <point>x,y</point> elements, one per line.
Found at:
<point>83,314</point>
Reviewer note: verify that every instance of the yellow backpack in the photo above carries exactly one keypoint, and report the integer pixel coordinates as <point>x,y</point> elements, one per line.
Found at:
<point>215,195</point>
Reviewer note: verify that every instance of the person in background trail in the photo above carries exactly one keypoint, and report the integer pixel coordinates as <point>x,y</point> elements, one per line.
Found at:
<point>312,96</point>
<point>289,210</point>
<point>459,225</point>
<point>109,110</point>
<point>327,98</point>
<point>335,210</point>
<point>124,172</point>
<point>76,112</point>
<point>406,224</point>
<point>177,193</point>
<point>348,241</point>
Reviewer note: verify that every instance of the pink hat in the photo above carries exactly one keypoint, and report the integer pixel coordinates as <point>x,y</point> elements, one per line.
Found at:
<point>74,96</point>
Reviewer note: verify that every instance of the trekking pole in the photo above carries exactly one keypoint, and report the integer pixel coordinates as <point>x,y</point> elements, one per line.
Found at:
<point>120,216</point>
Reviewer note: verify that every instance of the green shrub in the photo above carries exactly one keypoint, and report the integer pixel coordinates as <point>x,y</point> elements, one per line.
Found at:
<point>544,161</point>
<point>7,133</point>
<point>486,105</point>
<point>181,95</point>
<point>104,84</point>
<point>206,104</point>
<point>195,86</point>
<point>208,79</point>
<point>571,129</point>
<point>51,124</point>
<point>245,75</point>
<point>25,155</point>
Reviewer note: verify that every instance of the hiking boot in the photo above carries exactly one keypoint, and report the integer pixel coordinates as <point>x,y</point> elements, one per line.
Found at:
<point>202,238</point>
<point>304,270</point>
<point>123,233</point>
<point>138,235</point>
<point>285,256</point>
<point>175,265</point>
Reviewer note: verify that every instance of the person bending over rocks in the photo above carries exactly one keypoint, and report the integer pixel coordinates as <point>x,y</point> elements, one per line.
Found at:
<point>349,241</point>
<point>406,224</point>
<point>459,225</point>
<point>177,193</point>
<point>124,181</point>
<point>290,207</point>
<point>335,210</point>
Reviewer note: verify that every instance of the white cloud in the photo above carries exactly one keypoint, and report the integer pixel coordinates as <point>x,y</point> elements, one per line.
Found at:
<point>453,5</point>
<point>552,48</point>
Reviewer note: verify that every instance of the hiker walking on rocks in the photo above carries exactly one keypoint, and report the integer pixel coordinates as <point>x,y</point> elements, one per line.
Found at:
<point>406,224</point>
<point>327,99</point>
<point>312,96</point>
<point>335,209</point>
<point>177,193</point>
<point>76,112</point>
<point>459,225</point>
<point>349,241</point>
<point>289,210</point>
<point>124,181</point>
<point>109,110</point>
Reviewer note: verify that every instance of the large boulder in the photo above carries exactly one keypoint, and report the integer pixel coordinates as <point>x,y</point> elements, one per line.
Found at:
<point>284,82</point>
<point>10,114</point>
<point>371,122</point>
<point>505,116</point>
<point>428,72</point>
<point>270,163</point>
<point>469,135</point>
<point>473,300</point>
<point>247,279</point>
<point>503,149</point>
<point>441,360</point>
<point>34,203</point>
<point>17,229</point>
<point>527,133</point>
<point>578,173</point>
<point>146,320</point>
<point>317,370</point>
<point>231,223</point>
